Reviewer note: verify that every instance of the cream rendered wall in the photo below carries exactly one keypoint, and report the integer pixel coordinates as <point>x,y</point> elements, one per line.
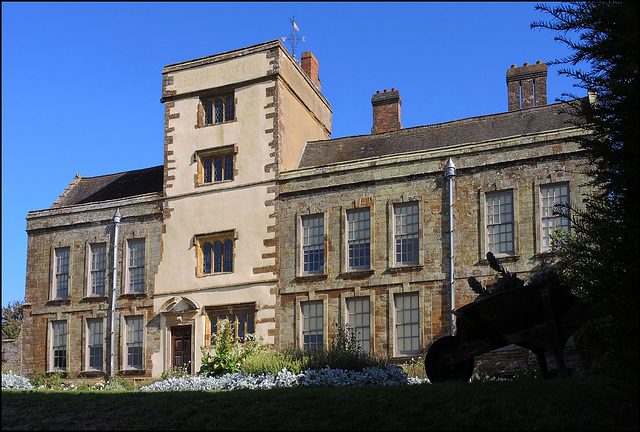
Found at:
<point>231,205</point>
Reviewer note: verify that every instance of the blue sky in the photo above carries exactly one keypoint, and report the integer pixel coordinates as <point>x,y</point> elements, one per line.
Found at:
<point>81,82</point>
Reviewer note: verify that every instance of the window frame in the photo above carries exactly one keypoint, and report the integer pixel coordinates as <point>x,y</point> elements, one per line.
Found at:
<point>349,230</point>
<point>54,342</point>
<point>226,256</point>
<point>541,213</point>
<point>128,289</point>
<point>397,351</point>
<point>55,273</point>
<point>322,246</point>
<point>248,312</point>
<point>89,344</point>
<point>134,333</point>
<point>350,314</point>
<point>513,222</point>
<point>306,318</point>
<point>208,106</point>
<point>207,175</point>
<point>91,271</point>
<point>393,236</point>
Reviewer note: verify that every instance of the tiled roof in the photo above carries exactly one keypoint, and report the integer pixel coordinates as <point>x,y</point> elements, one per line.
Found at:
<point>465,131</point>
<point>112,186</point>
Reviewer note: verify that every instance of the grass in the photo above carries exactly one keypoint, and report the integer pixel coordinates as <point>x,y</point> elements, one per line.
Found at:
<point>591,403</point>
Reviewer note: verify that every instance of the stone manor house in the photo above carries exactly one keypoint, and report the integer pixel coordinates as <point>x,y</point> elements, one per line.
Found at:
<point>258,216</point>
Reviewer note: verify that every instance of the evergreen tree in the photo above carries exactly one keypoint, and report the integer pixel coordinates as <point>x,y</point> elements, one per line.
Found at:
<point>599,259</point>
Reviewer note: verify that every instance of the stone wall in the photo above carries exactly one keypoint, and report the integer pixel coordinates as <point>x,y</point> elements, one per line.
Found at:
<point>11,355</point>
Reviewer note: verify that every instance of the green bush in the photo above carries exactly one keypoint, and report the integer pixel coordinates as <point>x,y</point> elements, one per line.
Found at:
<point>229,353</point>
<point>344,352</point>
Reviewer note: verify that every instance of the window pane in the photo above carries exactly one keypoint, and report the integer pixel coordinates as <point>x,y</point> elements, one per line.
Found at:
<point>228,255</point>
<point>217,257</point>
<point>207,168</point>
<point>218,111</point>
<point>208,113</point>
<point>228,167</point>
<point>206,258</point>
<point>229,109</point>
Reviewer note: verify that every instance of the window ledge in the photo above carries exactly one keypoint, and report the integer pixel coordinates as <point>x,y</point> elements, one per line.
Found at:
<point>216,124</point>
<point>502,258</point>
<point>94,299</point>
<point>132,296</point>
<point>58,302</point>
<point>311,278</point>
<point>408,268</point>
<point>357,274</point>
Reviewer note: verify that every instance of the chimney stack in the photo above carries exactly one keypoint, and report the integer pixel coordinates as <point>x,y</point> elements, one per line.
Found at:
<point>386,111</point>
<point>527,86</point>
<point>309,65</point>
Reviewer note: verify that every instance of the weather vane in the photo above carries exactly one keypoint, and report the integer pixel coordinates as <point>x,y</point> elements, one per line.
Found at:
<point>293,37</point>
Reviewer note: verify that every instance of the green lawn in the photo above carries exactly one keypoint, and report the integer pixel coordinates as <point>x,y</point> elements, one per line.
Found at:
<point>582,403</point>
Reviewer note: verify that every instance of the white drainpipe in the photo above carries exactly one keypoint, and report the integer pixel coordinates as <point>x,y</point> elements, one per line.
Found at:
<point>450,173</point>
<point>116,222</point>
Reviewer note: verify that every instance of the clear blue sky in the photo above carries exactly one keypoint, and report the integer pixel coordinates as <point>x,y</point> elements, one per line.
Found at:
<point>81,82</point>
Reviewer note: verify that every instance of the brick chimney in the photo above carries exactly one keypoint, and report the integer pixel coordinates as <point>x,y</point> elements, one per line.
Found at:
<point>309,65</point>
<point>386,111</point>
<point>527,86</point>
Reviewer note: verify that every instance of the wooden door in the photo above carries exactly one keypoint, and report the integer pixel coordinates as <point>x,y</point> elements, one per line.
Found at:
<point>181,346</point>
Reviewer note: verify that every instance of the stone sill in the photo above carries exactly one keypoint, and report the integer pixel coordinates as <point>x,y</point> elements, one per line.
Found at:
<point>58,302</point>
<point>311,278</point>
<point>357,274</point>
<point>132,296</point>
<point>411,268</point>
<point>94,299</point>
<point>133,372</point>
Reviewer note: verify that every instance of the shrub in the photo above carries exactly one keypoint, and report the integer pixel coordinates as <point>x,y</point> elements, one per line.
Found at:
<point>270,361</point>
<point>229,352</point>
